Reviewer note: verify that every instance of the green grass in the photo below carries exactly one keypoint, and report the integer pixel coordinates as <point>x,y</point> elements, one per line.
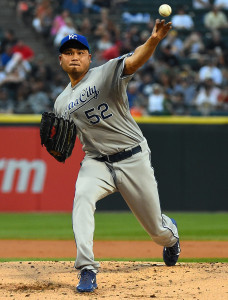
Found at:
<point>109,226</point>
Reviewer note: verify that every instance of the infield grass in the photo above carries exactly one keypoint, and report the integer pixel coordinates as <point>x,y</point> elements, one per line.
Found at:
<point>109,226</point>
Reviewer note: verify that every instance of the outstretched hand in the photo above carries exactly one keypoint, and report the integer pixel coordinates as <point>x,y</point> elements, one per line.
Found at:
<point>161,29</point>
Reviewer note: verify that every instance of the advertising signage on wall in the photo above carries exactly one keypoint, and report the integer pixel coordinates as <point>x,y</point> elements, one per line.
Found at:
<point>31,179</point>
<point>188,154</point>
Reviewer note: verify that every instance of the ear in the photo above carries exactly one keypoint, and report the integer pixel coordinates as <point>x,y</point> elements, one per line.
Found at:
<point>60,59</point>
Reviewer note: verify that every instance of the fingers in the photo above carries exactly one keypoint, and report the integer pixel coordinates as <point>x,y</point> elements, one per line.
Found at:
<point>169,24</point>
<point>162,22</point>
<point>161,26</point>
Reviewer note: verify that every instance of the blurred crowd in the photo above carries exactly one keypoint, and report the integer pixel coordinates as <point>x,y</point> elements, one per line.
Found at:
<point>188,75</point>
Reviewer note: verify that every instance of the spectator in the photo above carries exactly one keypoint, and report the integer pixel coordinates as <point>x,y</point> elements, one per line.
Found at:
<point>223,99</point>
<point>129,18</point>
<point>146,84</point>
<point>2,75</point>
<point>6,104</point>
<point>91,7</point>
<point>85,27</point>
<point>6,56</point>
<point>17,67</point>
<point>12,80</point>
<point>57,86</point>
<point>210,70</point>
<point>134,36</point>
<point>215,19</point>
<point>168,57</point>
<point>165,79</point>
<point>185,85</point>
<point>206,100</point>
<point>112,52</point>
<point>178,105</point>
<point>26,51</point>
<point>43,15</point>
<point>38,100</point>
<point>65,30</point>
<point>25,10</point>
<point>134,96</point>
<point>21,105</point>
<point>99,29</point>
<point>181,20</point>
<point>144,35</point>
<point>193,45</point>
<point>157,104</point>
<point>201,4</point>
<point>215,44</point>
<point>104,42</point>
<point>174,41</point>
<point>114,30</point>
<point>58,22</point>
<point>74,6</point>
<point>41,70</point>
<point>9,40</point>
<point>98,59</point>
<point>221,4</point>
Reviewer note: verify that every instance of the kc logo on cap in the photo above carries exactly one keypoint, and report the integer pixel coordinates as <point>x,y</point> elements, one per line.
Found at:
<point>73,36</point>
<point>69,39</point>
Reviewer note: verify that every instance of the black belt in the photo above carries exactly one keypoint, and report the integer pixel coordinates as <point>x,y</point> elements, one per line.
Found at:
<point>120,155</point>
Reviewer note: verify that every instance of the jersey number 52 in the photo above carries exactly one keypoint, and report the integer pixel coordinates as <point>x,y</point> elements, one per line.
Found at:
<point>94,116</point>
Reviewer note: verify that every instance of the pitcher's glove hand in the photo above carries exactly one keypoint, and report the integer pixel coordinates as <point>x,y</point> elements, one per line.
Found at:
<point>57,135</point>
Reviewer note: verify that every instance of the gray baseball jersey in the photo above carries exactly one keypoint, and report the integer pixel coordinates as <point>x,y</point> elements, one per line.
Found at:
<point>99,107</point>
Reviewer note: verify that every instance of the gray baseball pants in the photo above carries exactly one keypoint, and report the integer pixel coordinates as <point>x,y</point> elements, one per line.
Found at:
<point>134,179</point>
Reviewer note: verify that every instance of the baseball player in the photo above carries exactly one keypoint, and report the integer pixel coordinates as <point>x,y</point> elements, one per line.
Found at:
<point>117,156</point>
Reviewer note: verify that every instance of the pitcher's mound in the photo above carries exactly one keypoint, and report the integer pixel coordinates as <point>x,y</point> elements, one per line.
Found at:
<point>116,280</point>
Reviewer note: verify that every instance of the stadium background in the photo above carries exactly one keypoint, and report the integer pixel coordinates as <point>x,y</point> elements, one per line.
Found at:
<point>187,139</point>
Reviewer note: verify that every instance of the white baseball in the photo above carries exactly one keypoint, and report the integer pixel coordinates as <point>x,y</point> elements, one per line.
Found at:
<point>165,10</point>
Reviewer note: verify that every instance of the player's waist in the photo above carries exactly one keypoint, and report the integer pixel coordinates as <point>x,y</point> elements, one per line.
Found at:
<point>119,155</point>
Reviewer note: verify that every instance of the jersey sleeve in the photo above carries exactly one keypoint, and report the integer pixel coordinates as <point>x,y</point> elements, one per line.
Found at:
<point>112,73</point>
<point>113,69</point>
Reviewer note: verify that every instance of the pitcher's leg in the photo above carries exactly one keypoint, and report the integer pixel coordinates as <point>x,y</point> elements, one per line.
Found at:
<point>138,187</point>
<point>94,182</point>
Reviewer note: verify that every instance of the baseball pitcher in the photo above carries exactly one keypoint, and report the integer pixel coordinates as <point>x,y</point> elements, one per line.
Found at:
<point>117,156</point>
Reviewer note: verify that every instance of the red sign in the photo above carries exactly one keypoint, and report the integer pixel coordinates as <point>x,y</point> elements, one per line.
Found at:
<point>30,178</point>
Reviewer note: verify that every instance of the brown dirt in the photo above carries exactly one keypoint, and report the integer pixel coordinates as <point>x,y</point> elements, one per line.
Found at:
<point>116,280</point>
<point>56,280</point>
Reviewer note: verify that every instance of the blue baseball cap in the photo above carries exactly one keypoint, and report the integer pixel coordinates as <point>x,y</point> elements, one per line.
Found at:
<point>73,40</point>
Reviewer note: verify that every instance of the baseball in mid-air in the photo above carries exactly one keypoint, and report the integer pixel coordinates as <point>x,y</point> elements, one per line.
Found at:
<point>165,10</point>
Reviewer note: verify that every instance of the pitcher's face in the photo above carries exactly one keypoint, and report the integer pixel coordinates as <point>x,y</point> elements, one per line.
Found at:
<point>75,61</point>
